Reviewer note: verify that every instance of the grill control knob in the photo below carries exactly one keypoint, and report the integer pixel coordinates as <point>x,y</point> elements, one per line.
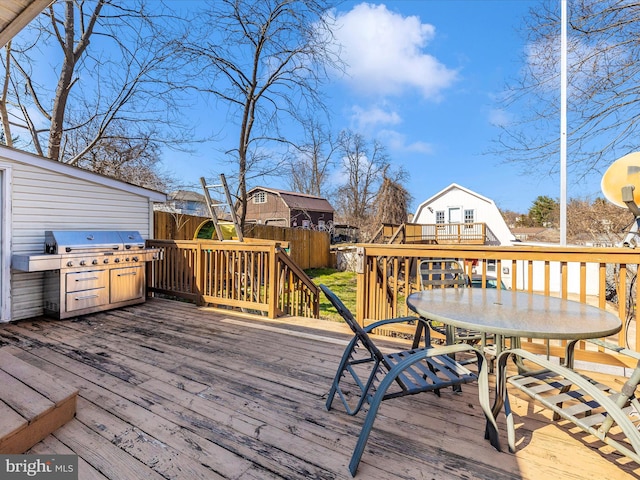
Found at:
<point>69,263</point>
<point>117,260</point>
<point>106,260</point>
<point>126,259</point>
<point>83,262</point>
<point>95,261</point>
<point>135,259</point>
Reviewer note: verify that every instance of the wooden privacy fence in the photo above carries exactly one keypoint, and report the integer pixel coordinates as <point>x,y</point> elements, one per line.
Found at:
<point>174,226</point>
<point>255,276</point>
<point>307,248</point>
<point>604,277</point>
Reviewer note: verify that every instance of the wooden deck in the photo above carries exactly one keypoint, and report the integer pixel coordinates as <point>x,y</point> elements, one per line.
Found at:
<point>170,390</point>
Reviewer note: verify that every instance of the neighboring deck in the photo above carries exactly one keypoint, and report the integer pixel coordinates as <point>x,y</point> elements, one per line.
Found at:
<point>170,390</point>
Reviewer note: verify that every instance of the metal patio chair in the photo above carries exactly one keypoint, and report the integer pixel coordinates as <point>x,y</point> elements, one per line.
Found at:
<point>609,413</point>
<point>367,376</point>
<point>448,273</point>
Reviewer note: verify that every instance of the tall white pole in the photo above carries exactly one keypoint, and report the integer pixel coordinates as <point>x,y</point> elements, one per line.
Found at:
<point>563,124</point>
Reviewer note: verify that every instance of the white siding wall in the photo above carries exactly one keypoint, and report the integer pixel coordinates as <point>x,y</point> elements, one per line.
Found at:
<point>47,200</point>
<point>484,212</point>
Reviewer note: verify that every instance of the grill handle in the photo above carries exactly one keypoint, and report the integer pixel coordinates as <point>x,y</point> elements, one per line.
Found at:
<point>86,297</point>
<point>127,274</point>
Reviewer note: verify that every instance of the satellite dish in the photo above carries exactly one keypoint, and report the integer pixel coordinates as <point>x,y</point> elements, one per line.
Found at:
<point>624,172</point>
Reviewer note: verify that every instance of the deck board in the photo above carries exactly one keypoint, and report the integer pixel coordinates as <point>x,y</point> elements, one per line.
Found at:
<point>171,390</point>
<point>32,404</point>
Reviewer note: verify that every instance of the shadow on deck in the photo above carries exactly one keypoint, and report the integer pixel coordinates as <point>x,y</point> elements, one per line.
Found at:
<point>170,390</point>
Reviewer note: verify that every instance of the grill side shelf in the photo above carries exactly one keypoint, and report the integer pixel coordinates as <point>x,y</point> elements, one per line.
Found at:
<point>36,263</point>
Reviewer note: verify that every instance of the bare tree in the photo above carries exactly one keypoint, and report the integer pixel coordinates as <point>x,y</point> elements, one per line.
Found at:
<point>265,61</point>
<point>112,65</point>
<point>4,112</point>
<point>511,218</point>
<point>311,163</point>
<point>364,165</point>
<point>392,200</point>
<point>603,91</point>
<point>131,158</point>
<point>597,221</point>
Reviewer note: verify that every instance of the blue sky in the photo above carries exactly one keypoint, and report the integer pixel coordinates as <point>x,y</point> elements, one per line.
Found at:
<point>424,77</point>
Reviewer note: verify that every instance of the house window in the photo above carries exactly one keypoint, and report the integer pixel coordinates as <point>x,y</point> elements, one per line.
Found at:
<point>440,216</point>
<point>260,197</point>
<point>468,216</point>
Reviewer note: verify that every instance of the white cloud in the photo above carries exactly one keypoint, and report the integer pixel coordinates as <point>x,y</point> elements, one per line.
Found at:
<point>384,52</point>
<point>397,141</point>
<point>499,117</point>
<point>367,119</point>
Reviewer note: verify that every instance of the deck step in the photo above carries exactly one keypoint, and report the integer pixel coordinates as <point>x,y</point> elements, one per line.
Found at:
<point>33,404</point>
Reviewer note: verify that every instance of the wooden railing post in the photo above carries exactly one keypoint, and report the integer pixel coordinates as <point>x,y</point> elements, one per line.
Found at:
<point>361,284</point>
<point>274,287</point>
<point>199,274</point>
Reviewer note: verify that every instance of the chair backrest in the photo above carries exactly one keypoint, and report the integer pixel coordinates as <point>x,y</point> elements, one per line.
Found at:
<point>442,272</point>
<point>348,317</point>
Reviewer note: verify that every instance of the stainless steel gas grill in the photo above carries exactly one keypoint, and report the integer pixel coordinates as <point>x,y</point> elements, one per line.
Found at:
<point>87,271</point>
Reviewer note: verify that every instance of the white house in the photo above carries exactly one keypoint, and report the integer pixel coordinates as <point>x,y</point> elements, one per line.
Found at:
<point>458,205</point>
<point>38,194</point>
<point>185,202</point>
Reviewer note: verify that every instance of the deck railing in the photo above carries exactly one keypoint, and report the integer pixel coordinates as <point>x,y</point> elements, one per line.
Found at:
<point>435,233</point>
<point>604,277</point>
<point>254,276</point>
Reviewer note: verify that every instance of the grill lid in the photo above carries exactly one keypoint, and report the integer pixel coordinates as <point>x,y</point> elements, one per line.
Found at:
<point>67,241</point>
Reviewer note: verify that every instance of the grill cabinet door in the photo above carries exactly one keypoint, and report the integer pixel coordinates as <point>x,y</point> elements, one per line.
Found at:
<point>127,283</point>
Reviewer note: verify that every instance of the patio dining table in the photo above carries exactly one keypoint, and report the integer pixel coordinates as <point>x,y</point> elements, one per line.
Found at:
<point>513,314</point>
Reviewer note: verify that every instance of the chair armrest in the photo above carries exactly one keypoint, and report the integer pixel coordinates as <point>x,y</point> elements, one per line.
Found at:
<point>389,321</point>
<point>613,347</point>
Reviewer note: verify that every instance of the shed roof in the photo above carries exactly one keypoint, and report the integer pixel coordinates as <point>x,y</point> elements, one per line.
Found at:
<point>299,201</point>
<point>65,169</point>
<point>187,196</point>
<point>16,14</point>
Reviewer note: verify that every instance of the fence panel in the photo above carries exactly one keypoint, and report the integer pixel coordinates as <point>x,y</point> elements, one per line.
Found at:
<point>308,248</point>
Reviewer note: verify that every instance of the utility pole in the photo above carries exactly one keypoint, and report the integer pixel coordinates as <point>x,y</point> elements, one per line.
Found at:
<point>563,124</point>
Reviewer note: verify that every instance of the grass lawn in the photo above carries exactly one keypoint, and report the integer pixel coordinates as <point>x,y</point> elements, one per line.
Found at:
<point>343,284</point>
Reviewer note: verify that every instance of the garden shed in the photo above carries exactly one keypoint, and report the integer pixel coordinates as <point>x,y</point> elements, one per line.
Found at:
<point>38,194</point>
<point>270,206</point>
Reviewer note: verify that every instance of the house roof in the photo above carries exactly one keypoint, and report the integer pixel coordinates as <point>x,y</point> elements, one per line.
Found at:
<point>187,196</point>
<point>16,14</point>
<point>299,201</point>
<point>447,189</point>
<point>65,169</point>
